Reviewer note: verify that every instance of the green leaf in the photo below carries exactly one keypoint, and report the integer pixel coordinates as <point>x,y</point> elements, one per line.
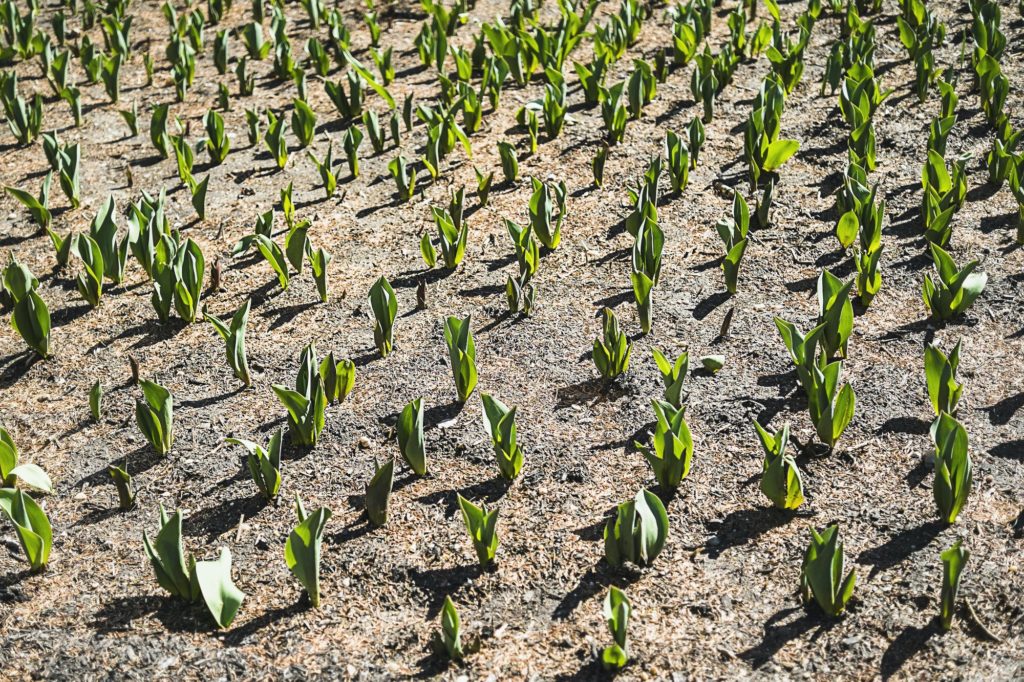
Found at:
<point>302,549</point>
<point>167,556</point>
<point>31,319</point>
<point>410,436</point>
<point>222,598</point>
<point>275,257</point>
<point>31,524</point>
<point>378,493</point>
<point>847,229</point>
<point>778,153</point>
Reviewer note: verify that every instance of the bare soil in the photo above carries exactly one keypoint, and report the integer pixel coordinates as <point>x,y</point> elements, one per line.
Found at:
<point>720,602</point>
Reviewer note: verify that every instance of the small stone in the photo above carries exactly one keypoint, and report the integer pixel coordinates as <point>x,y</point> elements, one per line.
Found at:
<point>364,443</point>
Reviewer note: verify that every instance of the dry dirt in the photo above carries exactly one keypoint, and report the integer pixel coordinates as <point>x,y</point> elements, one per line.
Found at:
<point>720,602</point>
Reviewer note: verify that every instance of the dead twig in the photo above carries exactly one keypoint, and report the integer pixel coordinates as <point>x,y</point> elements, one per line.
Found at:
<point>973,617</point>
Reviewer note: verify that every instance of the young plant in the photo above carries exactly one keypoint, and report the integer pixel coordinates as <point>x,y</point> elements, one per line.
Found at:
<point>296,243</point>
<point>1016,181</point>
<point>339,377</point>
<point>763,150</point>
<point>451,236</point>
<point>525,246</point>
<point>273,254</point>
<point>158,130</point>
<point>944,195</point>
<point>802,351</point>
<point>637,532</point>
<point>869,279</point>
<point>154,415</point>
<point>264,464</point>
<point>704,83</point>
<point>520,294</point>
<point>509,162</point>
<point>780,478</point>
<point>500,424</point>
<point>274,140</point>
<point>303,122</point>
<point>350,104</point>
<point>449,638</point>
<point>131,118</point>
<point>484,182</point>
<point>954,290</point>
<point>612,349</point>
<point>482,527</point>
<point>90,280</point>
<point>217,143</point>
<point>953,561</point>
<point>409,431</point>
<point>382,58</point>
<point>697,136</point>
<point>302,549</point>
<point>821,575</point>
<point>378,493</point>
<point>835,313</point>
<point>307,403</point>
<point>385,308</point>
<point>353,138</point>
<point>103,230</point>
<point>125,488</point>
<point>940,372</point>
<point>954,472</point>
<point>678,157</point>
<point>597,164</point>
<point>378,138</point>
<point>221,52</point>
<point>255,44</point>
<point>325,169</point>
<point>613,113</point>
<point>31,525</point>
<point>319,259</point>
<point>763,204</point>
<point>830,407</point>
<point>405,177</point>
<point>733,232</point>
<point>37,207</point>
<point>31,319</point>
<point>209,580</point>
<point>1001,158</point>
<point>96,401</point>
<point>672,454</point>
<point>787,58</point>
<point>233,335</point>
<point>68,174</point>
<point>189,268</point>
<point>461,354</point>
<point>546,226</point>
<point>616,613</point>
<point>672,376</point>
<point>554,107</point>
<point>246,80</point>
<point>12,471</point>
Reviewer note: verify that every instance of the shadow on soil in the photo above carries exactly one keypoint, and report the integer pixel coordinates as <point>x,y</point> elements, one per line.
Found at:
<point>899,547</point>
<point>778,632</point>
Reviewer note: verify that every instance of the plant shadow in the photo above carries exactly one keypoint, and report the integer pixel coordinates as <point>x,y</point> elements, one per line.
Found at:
<point>907,645</point>
<point>596,580</point>
<point>899,547</point>
<point>778,633</point>
<point>744,526</point>
<point>488,492</point>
